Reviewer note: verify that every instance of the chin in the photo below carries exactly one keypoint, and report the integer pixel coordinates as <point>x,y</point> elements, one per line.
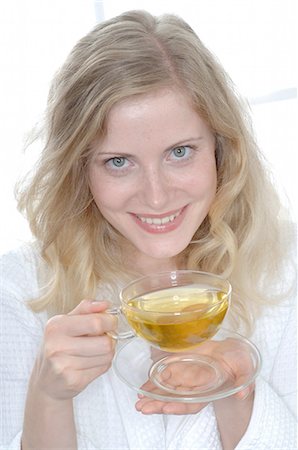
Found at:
<point>164,253</point>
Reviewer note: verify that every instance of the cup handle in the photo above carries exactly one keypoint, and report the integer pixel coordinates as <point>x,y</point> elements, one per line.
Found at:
<point>120,335</point>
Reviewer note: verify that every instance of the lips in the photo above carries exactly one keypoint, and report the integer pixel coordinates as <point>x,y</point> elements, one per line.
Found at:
<point>159,220</point>
<point>161,223</point>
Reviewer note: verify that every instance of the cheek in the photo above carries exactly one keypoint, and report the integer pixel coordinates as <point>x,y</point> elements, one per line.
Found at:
<point>97,188</point>
<point>108,195</point>
<point>213,182</point>
<point>204,183</point>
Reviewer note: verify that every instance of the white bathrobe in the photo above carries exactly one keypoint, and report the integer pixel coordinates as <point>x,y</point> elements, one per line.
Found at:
<point>106,418</point>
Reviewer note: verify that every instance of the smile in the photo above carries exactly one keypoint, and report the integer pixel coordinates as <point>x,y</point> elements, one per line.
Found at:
<point>160,223</point>
<point>159,220</point>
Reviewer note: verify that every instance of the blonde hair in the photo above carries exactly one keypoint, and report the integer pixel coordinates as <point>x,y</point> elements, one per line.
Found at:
<point>133,54</point>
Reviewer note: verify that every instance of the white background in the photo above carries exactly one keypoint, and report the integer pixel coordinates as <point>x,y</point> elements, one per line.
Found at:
<point>256,41</point>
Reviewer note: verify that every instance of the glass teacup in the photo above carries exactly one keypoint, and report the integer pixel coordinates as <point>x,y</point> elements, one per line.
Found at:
<point>175,311</point>
<point>181,352</point>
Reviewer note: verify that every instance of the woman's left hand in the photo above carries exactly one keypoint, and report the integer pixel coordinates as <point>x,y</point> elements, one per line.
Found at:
<point>147,405</point>
<point>237,365</point>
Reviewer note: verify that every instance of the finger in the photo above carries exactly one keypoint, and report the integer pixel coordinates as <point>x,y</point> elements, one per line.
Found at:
<point>90,306</point>
<point>147,405</point>
<point>182,408</point>
<point>85,346</point>
<point>245,393</point>
<point>83,363</point>
<point>182,377</point>
<point>95,324</point>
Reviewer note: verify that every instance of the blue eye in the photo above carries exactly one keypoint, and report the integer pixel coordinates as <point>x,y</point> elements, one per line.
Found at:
<point>181,152</point>
<point>118,161</point>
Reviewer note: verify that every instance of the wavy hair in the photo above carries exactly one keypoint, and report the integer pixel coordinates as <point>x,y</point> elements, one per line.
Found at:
<point>134,54</point>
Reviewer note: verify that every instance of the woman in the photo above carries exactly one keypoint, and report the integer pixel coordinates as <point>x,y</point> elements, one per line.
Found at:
<point>149,164</point>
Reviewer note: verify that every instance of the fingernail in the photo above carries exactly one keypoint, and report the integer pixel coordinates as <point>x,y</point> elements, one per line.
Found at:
<point>98,302</point>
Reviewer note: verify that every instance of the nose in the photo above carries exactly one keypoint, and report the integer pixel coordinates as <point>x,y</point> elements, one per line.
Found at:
<point>155,188</point>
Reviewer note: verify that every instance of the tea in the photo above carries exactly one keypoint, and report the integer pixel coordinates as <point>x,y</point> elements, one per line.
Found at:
<point>178,318</point>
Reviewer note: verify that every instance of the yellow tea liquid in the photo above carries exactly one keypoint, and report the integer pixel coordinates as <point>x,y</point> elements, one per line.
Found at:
<point>178,318</point>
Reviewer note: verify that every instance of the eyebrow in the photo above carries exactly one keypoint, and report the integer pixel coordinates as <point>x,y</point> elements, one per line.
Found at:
<point>185,141</point>
<point>124,154</point>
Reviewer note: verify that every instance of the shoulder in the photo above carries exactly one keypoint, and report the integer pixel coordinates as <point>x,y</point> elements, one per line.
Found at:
<point>19,268</point>
<point>19,283</point>
<point>276,333</point>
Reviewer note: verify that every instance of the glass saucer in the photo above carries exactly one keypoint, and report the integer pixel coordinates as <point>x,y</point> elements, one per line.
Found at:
<point>217,368</point>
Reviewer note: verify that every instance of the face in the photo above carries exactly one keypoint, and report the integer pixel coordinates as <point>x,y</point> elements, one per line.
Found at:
<point>153,176</point>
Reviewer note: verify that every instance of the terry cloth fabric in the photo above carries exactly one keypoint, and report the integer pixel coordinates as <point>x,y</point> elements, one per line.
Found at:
<point>106,418</point>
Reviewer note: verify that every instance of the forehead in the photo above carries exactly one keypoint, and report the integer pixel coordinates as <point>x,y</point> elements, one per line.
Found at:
<point>158,112</point>
<point>159,99</point>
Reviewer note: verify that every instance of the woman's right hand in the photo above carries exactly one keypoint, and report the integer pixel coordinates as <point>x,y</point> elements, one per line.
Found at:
<point>76,349</point>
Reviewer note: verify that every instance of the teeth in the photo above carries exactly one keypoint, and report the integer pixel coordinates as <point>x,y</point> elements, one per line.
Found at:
<point>158,221</point>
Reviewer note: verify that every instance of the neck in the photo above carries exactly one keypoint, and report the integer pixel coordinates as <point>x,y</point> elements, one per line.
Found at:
<point>145,265</point>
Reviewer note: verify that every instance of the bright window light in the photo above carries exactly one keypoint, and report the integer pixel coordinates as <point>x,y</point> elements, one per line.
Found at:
<point>256,41</point>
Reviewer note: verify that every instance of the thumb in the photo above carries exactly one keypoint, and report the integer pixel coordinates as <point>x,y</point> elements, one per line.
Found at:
<point>245,393</point>
<point>89,307</point>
